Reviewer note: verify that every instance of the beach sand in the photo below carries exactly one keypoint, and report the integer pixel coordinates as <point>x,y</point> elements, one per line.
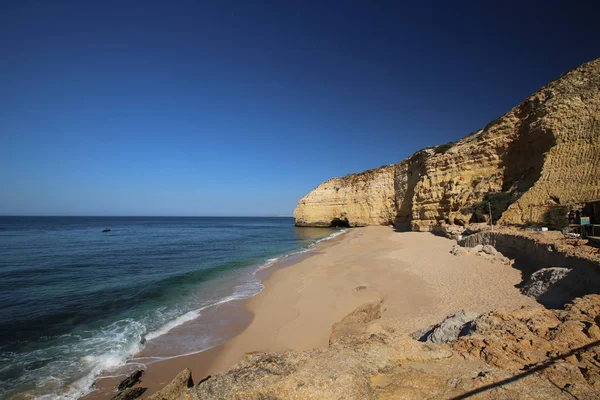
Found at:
<point>414,274</point>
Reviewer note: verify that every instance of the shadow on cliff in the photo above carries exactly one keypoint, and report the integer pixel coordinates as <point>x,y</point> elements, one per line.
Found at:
<point>402,227</point>
<point>340,223</point>
<point>414,171</point>
<point>529,370</point>
<point>523,160</point>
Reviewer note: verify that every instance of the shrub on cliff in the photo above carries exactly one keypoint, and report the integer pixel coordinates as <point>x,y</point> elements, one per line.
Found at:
<point>556,218</point>
<point>497,202</point>
<point>442,148</point>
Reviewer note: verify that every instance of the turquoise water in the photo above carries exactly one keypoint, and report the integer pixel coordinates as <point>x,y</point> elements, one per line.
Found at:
<point>76,302</point>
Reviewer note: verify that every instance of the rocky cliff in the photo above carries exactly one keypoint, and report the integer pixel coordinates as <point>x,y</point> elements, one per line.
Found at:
<point>543,153</point>
<point>361,199</point>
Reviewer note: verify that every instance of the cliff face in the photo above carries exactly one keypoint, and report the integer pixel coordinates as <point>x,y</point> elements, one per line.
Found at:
<point>544,152</point>
<point>367,198</point>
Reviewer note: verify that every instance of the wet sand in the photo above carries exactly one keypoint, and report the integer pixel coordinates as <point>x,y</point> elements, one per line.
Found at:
<point>414,274</point>
<point>230,318</point>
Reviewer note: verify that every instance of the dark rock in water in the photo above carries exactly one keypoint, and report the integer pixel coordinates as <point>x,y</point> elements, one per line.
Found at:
<point>130,380</point>
<point>106,230</point>
<point>130,394</point>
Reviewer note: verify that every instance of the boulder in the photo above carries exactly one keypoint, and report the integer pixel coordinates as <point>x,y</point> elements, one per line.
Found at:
<point>475,249</point>
<point>542,280</point>
<point>177,389</point>
<point>459,251</point>
<point>131,380</point>
<point>448,330</point>
<point>556,286</point>
<point>489,249</point>
<point>532,353</point>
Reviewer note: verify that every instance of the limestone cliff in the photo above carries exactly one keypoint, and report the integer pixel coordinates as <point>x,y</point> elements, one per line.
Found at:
<point>367,198</point>
<point>544,152</point>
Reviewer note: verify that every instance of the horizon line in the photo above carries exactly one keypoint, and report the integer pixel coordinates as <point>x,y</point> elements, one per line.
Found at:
<point>148,216</point>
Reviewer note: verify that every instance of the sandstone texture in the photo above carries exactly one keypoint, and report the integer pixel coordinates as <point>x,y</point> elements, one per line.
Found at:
<point>448,330</point>
<point>561,346</point>
<point>543,153</point>
<point>488,252</point>
<point>177,389</point>
<point>531,353</point>
<point>361,199</point>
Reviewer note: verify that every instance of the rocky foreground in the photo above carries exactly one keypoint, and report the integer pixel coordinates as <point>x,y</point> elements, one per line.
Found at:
<point>543,153</point>
<point>530,353</point>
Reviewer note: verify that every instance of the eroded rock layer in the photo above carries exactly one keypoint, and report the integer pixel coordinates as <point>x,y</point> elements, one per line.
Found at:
<point>543,153</point>
<point>367,198</point>
<point>531,353</point>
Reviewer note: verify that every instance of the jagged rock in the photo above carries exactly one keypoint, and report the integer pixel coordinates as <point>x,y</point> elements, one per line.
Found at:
<point>554,287</point>
<point>247,378</point>
<point>546,148</point>
<point>448,330</point>
<point>488,252</point>
<point>177,389</point>
<point>542,280</point>
<point>485,251</point>
<point>355,323</point>
<point>130,393</point>
<point>542,340</point>
<point>531,353</point>
<point>131,380</point>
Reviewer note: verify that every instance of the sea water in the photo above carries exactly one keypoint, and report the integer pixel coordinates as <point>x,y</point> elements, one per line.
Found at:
<point>76,302</point>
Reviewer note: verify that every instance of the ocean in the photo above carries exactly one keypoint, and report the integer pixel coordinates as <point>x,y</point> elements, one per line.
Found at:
<point>76,302</point>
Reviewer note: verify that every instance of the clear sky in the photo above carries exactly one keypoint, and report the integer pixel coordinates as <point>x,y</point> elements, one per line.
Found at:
<point>242,107</point>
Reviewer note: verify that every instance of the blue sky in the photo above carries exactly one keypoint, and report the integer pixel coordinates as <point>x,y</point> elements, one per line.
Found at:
<point>241,108</point>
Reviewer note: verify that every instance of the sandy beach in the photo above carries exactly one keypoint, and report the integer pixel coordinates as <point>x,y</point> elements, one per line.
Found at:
<point>414,274</point>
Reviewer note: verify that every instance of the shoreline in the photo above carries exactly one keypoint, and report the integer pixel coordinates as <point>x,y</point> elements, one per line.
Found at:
<point>234,316</point>
<point>414,276</point>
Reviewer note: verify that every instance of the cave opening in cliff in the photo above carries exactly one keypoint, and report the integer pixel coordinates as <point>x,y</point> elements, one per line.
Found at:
<point>340,223</point>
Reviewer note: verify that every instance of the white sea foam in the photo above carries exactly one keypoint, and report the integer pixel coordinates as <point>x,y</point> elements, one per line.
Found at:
<point>332,236</point>
<point>166,328</point>
<point>125,339</point>
<point>126,336</point>
<point>270,262</point>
